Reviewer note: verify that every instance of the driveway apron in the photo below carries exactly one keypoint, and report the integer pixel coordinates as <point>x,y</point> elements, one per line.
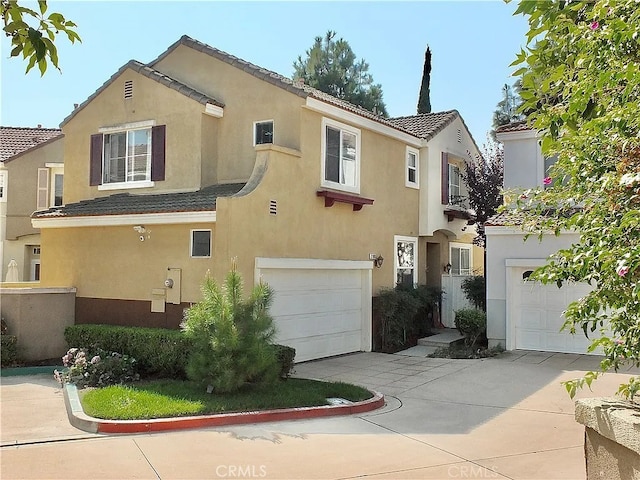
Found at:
<point>504,418</point>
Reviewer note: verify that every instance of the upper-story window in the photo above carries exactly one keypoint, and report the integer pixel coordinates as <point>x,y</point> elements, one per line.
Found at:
<point>128,156</point>
<point>201,243</point>
<point>3,187</point>
<point>263,132</point>
<point>340,156</point>
<point>454,184</point>
<point>50,185</point>
<point>412,178</point>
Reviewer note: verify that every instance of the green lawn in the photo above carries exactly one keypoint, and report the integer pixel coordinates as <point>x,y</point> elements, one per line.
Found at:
<point>174,398</point>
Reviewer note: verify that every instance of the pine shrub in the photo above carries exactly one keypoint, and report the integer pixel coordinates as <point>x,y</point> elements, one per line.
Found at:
<point>231,337</point>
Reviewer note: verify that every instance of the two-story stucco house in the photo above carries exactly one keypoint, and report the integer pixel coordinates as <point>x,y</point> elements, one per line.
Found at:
<point>31,178</point>
<point>177,166</point>
<point>523,314</point>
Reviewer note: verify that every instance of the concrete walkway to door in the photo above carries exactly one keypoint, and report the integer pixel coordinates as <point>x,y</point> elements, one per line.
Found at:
<point>505,418</point>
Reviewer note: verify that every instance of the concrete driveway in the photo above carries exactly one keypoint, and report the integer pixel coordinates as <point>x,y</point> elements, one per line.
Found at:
<point>506,417</point>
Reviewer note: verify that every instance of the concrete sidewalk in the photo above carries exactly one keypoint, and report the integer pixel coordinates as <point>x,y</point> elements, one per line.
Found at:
<point>505,417</point>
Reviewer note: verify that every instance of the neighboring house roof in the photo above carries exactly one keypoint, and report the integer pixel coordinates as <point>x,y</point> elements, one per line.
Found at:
<point>426,125</point>
<point>153,74</point>
<point>17,140</point>
<point>520,126</point>
<point>128,204</point>
<point>505,219</point>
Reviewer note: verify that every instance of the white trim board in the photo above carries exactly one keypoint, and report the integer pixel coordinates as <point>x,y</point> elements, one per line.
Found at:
<point>123,220</point>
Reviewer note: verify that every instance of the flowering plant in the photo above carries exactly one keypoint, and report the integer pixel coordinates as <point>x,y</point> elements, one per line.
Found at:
<point>98,369</point>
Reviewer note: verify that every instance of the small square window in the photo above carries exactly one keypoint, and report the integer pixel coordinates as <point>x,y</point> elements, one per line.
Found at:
<point>263,132</point>
<point>201,243</point>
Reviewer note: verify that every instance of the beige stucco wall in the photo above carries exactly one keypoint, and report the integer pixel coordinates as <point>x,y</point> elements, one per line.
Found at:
<point>111,262</point>
<point>38,318</point>
<point>23,185</point>
<point>185,128</point>
<point>303,226</point>
<point>247,99</point>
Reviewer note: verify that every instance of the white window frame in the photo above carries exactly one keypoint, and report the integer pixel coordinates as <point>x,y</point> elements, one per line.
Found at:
<point>454,185</point>
<point>408,168</point>
<point>461,246</point>
<point>126,128</point>
<point>396,261</point>
<point>55,169</point>
<point>191,243</point>
<point>326,122</point>
<point>255,132</point>
<point>3,185</point>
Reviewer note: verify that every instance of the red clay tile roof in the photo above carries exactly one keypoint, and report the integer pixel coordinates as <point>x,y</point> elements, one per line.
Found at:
<point>128,204</point>
<point>507,218</point>
<point>15,140</point>
<point>514,127</point>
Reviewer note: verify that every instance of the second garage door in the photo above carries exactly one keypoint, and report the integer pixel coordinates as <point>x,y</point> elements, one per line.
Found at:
<point>535,314</point>
<point>321,307</point>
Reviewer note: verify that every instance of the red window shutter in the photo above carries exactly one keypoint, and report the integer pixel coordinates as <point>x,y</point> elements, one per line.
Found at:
<point>95,166</point>
<point>445,178</point>
<point>157,152</point>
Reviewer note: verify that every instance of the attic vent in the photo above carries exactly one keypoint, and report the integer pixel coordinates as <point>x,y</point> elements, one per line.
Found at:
<point>273,207</point>
<point>128,89</point>
<point>459,136</point>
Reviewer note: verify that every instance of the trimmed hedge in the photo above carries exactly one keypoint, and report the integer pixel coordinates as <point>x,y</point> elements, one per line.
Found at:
<point>8,350</point>
<point>158,351</point>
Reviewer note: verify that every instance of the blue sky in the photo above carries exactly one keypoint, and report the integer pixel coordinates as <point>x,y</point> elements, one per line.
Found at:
<point>472,42</point>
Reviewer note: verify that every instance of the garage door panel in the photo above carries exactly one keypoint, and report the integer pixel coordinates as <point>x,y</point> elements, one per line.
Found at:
<point>298,303</point>
<point>295,326</point>
<point>319,311</point>
<point>537,315</point>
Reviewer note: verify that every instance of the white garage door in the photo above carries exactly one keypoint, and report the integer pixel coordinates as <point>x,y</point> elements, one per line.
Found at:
<point>534,315</point>
<point>321,307</point>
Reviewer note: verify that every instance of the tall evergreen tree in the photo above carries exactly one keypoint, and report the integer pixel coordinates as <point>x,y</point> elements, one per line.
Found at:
<point>508,109</point>
<point>330,66</point>
<point>424,101</point>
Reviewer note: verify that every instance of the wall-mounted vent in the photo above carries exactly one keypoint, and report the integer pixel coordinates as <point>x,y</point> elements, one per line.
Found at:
<point>273,207</point>
<point>128,89</point>
<point>459,136</point>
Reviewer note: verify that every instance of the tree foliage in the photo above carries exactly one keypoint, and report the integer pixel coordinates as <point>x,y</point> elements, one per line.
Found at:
<point>508,109</point>
<point>232,337</point>
<point>581,79</point>
<point>483,176</point>
<point>424,100</point>
<point>330,66</point>
<point>35,42</point>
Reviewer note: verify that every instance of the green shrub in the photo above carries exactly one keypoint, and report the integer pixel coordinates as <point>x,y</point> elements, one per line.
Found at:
<point>232,337</point>
<point>472,323</point>
<point>8,350</point>
<point>159,351</point>
<point>397,309</point>
<point>285,356</point>
<point>475,290</point>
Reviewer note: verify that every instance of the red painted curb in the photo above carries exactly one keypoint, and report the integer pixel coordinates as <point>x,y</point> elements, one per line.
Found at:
<point>202,421</point>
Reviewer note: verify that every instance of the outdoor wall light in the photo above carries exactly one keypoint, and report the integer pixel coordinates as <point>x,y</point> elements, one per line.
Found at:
<point>378,261</point>
<point>447,268</point>
<point>144,233</point>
